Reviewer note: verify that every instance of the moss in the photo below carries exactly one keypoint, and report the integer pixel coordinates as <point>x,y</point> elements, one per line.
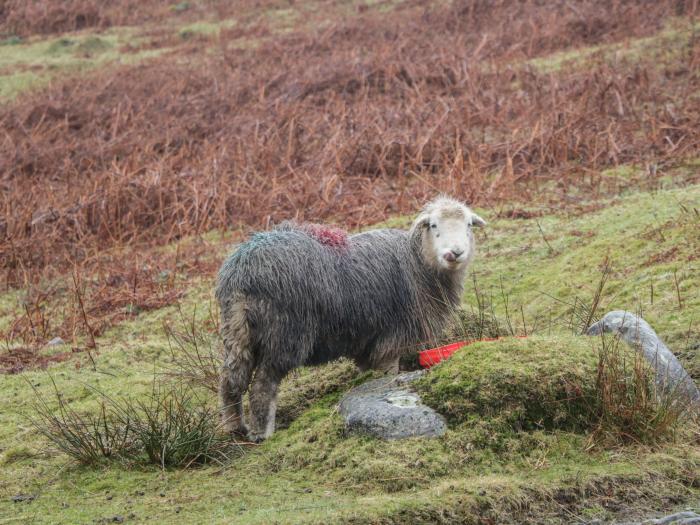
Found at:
<point>517,384</point>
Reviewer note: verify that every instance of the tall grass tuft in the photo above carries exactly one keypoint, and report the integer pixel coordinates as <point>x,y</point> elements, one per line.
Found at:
<point>629,406</point>
<point>172,427</point>
<point>88,438</point>
<point>195,353</point>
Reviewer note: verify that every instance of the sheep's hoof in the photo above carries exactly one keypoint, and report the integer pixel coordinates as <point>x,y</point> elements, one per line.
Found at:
<point>254,437</point>
<point>239,434</point>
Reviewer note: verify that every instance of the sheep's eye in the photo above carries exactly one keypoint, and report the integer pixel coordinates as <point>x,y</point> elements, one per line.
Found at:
<point>433,226</point>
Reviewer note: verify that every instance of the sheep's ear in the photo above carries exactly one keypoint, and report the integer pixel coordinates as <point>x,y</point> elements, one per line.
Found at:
<point>422,221</point>
<point>477,221</point>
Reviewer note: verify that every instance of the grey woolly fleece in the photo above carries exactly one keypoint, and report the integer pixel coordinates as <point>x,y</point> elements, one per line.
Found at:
<point>308,303</point>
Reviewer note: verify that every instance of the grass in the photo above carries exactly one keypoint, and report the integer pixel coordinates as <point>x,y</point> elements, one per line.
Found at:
<point>646,237</point>
<point>672,41</point>
<point>523,414</point>
<point>174,426</point>
<point>312,471</point>
<point>518,449</point>
<point>204,28</point>
<point>31,64</point>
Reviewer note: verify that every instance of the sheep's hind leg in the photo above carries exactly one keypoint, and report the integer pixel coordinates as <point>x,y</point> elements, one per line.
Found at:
<point>233,384</point>
<point>263,403</point>
<point>236,372</point>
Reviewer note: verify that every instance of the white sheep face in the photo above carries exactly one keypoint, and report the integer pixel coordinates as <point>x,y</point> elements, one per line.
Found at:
<point>448,240</point>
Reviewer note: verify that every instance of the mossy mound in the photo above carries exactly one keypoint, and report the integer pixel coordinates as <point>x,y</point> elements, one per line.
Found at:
<point>538,383</point>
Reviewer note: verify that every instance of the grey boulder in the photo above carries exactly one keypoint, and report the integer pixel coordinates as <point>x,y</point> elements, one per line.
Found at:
<point>636,332</point>
<point>388,408</point>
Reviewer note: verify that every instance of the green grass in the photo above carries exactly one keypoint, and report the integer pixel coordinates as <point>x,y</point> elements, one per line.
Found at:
<point>536,383</point>
<point>204,28</point>
<point>669,43</point>
<point>313,472</point>
<point>516,448</point>
<point>651,239</point>
<point>34,63</point>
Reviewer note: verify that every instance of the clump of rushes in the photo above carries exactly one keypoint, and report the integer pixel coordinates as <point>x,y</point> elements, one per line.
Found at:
<point>195,353</point>
<point>88,438</point>
<point>172,427</point>
<point>629,406</point>
<point>175,428</point>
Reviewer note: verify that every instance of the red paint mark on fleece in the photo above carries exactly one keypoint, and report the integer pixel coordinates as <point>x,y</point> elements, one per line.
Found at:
<point>327,235</point>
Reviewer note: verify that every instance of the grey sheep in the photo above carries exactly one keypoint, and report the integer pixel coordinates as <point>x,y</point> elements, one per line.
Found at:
<point>306,294</point>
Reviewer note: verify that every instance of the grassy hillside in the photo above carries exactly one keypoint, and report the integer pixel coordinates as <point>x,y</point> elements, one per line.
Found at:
<point>140,138</point>
<point>512,470</point>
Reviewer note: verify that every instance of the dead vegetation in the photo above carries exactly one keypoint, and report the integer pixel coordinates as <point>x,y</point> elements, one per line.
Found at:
<point>349,123</point>
<point>32,17</point>
<point>16,360</point>
<point>110,289</point>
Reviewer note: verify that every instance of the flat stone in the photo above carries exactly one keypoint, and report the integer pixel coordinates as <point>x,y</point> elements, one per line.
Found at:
<point>388,408</point>
<point>56,341</point>
<point>684,518</point>
<point>687,517</point>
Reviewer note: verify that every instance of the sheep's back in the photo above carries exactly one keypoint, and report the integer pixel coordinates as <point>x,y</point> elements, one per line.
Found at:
<point>351,290</point>
<point>282,267</point>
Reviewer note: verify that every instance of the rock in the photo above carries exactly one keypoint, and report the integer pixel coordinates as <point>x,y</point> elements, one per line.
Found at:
<point>679,518</point>
<point>19,498</point>
<point>687,517</point>
<point>56,341</point>
<point>387,408</point>
<point>670,374</point>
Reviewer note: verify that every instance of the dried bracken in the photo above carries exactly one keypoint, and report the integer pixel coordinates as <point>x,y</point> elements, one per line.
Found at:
<point>31,17</point>
<point>349,122</point>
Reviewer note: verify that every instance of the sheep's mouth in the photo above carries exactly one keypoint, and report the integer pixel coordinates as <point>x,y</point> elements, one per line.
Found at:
<point>451,265</point>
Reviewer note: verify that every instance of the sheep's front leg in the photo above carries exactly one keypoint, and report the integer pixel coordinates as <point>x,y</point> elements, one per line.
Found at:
<point>388,366</point>
<point>263,404</point>
<point>385,358</point>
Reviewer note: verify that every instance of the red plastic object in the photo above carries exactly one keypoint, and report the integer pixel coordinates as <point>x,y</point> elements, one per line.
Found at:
<point>428,358</point>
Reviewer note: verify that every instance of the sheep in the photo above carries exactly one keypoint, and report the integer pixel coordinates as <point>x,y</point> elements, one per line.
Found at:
<point>306,294</point>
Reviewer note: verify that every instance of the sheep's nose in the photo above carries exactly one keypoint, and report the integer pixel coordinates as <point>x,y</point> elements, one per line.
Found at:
<point>457,252</point>
<point>451,255</point>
